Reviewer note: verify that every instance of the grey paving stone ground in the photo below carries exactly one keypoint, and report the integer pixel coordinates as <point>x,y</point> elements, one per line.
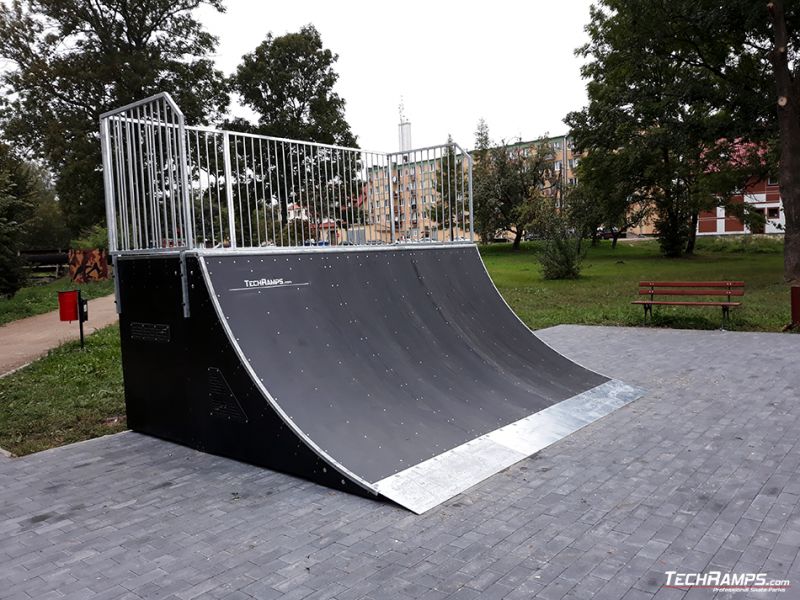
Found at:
<point>702,473</point>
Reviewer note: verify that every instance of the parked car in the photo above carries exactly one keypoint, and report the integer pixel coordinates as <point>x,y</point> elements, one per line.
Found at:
<point>607,233</point>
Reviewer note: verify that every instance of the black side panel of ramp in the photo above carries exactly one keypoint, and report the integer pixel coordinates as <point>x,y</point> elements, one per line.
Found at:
<point>403,368</point>
<point>184,381</point>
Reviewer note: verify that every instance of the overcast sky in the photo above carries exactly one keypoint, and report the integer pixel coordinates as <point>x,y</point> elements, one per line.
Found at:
<point>511,63</point>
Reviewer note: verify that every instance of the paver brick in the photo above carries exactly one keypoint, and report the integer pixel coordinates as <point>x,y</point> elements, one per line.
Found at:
<point>701,472</point>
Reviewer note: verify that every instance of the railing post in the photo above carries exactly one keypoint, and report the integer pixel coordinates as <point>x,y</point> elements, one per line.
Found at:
<point>108,183</point>
<point>391,196</point>
<point>188,209</point>
<point>226,159</point>
<point>471,215</point>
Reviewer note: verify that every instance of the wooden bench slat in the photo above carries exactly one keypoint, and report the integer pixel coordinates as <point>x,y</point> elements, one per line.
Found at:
<point>691,292</point>
<point>679,303</point>
<point>691,284</point>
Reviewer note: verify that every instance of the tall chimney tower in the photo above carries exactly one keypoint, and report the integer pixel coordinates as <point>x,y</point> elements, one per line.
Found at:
<point>404,130</point>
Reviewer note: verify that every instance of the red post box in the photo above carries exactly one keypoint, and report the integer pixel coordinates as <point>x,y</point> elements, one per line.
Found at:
<point>68,305</point>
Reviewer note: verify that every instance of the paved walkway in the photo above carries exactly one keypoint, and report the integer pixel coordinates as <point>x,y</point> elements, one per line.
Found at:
<point>702,473</point>
<point>26,340</point>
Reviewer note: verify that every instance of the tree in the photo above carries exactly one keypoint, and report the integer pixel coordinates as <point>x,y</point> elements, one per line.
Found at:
<point>288,81</point>
<point>451,211</point>
<point>12,273</point>
<point>506,178</point>
<point>726,60</point>
<point>649,120</point>
<point>608,184</point>
<point>72,60</point>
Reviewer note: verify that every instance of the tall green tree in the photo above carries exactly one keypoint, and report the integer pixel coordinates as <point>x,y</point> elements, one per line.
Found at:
<point>288,81</point>
<point>73,60</point>
<point>722,71</point>
<point>507,180</point>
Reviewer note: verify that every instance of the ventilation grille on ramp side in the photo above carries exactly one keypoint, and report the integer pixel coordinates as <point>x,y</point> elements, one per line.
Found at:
<point>221,398</point>
<point>150,332</point>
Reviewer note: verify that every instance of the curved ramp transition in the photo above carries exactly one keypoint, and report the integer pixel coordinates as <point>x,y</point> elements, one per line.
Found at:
<point>398,369</point>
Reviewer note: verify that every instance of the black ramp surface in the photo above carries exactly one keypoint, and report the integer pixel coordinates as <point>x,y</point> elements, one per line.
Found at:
<point>385,359</point>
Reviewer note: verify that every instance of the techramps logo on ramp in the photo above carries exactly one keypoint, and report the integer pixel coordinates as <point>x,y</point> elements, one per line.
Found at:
<point>266,284</point>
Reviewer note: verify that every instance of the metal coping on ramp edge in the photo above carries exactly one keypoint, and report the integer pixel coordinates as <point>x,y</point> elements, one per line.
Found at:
<point>428,484</point>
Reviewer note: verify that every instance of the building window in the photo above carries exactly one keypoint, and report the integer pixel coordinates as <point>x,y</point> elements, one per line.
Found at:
<point>773,212</point>
<point>772,181</point>
<point>557,165</point>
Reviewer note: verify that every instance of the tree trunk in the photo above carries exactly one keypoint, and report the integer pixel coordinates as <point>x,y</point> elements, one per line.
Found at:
<point>788,106</point>
<point>690,243</point>
<point>614,238</point>
<point>517,239</point>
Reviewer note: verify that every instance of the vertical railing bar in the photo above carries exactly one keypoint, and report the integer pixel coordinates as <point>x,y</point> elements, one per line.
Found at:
<point>365,207</point>
<point>390,178</point>
<point>246,176</point>
<point>271,197</point>
<point>146,175</point>
<point>463,195</point>
<point>183,173</point>
<point>320,186</point>
<point>132,196</point>
<point>310,173</point>
<point>226,159</point>
<point>173,178</point>
<point>426,206</point>
<point>342,202</point>
<point>108,187</point>
<point>293,197</point>
<point>471,215</point>
<point>244,242</point>
<point>348,189</point>
<point>281,172</point>
<point>140,182</point>
<point>313,237</point>
<point>216,193</point>
<point>152,168</point>
<point>161,168</point>
<point>172,208</point>
<point>216,187</point>
<point>327,184</point>
<point>255,191</point>
<point>200,186</point>
<point>449,195</point>
<point>123,196</point>
<point>263,189</point>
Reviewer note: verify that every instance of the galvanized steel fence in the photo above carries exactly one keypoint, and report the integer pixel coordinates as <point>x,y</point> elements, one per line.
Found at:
<point>171,186</point>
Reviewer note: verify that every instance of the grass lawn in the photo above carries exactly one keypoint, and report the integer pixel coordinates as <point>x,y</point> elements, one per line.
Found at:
<point>71,395</point>
<point>608,284</point>
<point>68,396</point>
<point>38,299</point>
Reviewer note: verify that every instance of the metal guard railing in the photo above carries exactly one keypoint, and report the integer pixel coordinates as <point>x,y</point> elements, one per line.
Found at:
<point>170,186</point>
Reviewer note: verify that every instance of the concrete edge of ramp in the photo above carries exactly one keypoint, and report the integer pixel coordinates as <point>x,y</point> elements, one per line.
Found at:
<point>429,483</point>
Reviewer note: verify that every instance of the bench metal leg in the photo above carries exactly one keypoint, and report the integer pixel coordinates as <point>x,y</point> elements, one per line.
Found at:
<point>648,308</point>
<point>726,316</point>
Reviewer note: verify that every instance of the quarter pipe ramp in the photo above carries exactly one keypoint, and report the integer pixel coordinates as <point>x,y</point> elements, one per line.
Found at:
<point>389,370</point>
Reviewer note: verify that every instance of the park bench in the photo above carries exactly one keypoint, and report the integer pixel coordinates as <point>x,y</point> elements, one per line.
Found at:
<point>694,289</point>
